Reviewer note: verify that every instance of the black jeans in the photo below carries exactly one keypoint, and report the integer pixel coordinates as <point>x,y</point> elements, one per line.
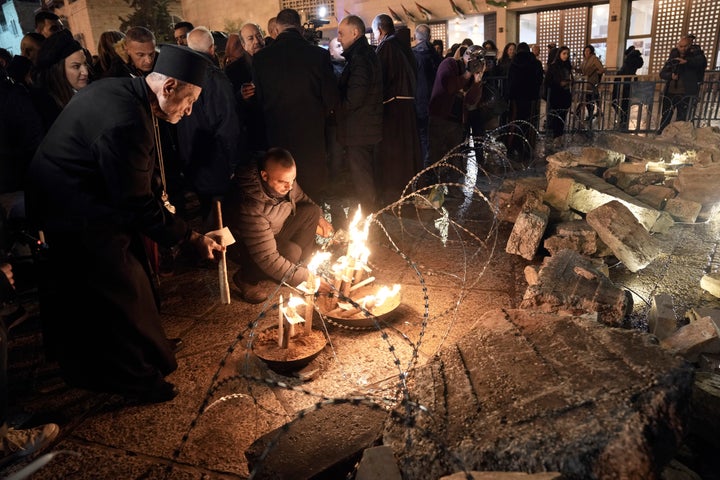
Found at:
<point>682,103</point>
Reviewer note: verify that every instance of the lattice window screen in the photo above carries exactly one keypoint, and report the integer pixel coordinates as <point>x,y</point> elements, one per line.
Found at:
<point>548,25</point>
<point>491,28</point>
<point>703,23</point>
<point>669,19</point>
<point>575,32</point>
<point>309,7</point>
<point>438,31</point>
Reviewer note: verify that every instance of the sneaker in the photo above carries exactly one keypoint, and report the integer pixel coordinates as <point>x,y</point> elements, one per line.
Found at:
<point>249,292</point>
<point>19,443</point>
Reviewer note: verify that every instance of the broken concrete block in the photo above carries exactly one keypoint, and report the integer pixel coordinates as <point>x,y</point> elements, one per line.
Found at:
<point>699,183</point>
<point>663,223</point>
<point>697,313</point>
<point>577,235</point>
<point>625,180</point>
<point>532,274</point>
<point>683,210</point>
<point>572,284</point>
<point>378,463</point>
<point>656,196</point>
<point>511,196</point>
<point>711,283</point>
<point>661,317</point>
<point>705,411</point>
<point>690,340</point>
<point>632,167</point>
<point>529,229</point>
<point>585,192</point>
<point>599,157</point>
<point>708,211</point>
<point>316,443</point>
<point>620,230</point>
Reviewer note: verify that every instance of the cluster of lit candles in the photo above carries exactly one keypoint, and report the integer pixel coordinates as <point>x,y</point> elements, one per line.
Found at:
<point>350,273</point>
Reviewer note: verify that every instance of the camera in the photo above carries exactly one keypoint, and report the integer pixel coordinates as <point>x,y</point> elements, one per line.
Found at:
<point>477,58</point>
<point>311,32</point>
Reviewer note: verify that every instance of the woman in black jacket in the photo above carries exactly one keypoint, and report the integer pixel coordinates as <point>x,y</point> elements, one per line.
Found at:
<point>559,79</point>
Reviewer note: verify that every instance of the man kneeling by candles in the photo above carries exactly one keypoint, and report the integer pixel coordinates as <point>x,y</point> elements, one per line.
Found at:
<point>275,222</point>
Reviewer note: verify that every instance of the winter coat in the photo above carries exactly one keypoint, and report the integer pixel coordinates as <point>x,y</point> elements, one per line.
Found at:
<point>428,61</point>
<point>690,74</point>
<point>631,63</point>
<point>360,110</point>
<point>525,76</point>
<point>592,69</point>
<point>559,79</point>
<point>255,217</point>
<point>446,100</point>
<point>209,140</point>
<point>296,89</point>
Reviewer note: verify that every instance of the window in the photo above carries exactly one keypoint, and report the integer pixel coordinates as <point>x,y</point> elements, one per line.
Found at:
<point>640,30</point>
<point>473,27</point>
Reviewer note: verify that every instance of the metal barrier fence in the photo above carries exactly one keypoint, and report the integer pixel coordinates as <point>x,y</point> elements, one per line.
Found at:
<point>631,104</point>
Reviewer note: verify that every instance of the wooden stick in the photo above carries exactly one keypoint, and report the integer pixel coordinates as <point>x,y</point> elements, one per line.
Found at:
<point>222,265</point>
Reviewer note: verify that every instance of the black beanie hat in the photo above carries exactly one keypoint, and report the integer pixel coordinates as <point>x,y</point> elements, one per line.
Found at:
<point>182,63</point>
<point>58,46</point>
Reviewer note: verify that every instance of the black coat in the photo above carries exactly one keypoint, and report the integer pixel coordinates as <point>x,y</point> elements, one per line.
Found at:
<point>92,190</point>
<point>360,110</point>
<point>251,116</point>
<point>558,79</point>
<point>428,60</point>
<point>525,76</point>
<point>210,140</point>
<point>297,90</point>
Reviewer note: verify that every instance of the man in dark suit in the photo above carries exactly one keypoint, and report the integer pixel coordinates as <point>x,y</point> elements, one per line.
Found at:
<point>296,88</point>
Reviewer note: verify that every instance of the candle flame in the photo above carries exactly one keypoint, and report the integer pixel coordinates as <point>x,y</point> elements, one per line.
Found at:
<point>317,260</point>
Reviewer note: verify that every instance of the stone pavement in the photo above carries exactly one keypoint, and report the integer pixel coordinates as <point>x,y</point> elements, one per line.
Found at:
<point>229,398</point>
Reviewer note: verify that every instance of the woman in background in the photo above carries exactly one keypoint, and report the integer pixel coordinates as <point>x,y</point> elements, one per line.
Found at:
<point>106,51</point>
<point>559,79</point>
<point>62,70</point>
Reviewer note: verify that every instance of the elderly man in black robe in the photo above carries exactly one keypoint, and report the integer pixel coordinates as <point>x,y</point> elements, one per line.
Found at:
<point>296,89</point>
<point>93,191</point>
<point>399,156</point>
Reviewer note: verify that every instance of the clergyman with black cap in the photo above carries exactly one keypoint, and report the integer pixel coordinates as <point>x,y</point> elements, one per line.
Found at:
<point>95,191</point>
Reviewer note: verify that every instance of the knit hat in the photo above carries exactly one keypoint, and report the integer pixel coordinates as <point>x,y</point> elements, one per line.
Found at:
<point>58,46</point>
<point>182,63</point>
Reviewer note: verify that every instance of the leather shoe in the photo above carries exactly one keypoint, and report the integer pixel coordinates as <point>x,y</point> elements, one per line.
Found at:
<point>177,344</point>
<point>159,393</point>
<point>250,293</point>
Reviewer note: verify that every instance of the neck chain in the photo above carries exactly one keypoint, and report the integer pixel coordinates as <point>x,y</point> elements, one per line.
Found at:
<point>158,148</point>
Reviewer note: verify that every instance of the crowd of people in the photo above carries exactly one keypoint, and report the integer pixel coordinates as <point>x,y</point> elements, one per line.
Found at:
<point>99,154</point>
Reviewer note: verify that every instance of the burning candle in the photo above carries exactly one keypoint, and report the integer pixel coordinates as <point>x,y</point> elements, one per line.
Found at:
<point>281,321</point>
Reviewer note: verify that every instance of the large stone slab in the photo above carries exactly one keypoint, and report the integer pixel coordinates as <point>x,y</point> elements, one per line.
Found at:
<point>571,284</point>
<point>531,392</point>
<point>324,443</point>
<point>583,192</point>
<point>622,233</point>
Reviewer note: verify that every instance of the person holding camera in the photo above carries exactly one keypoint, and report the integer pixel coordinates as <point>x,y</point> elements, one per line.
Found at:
<point>448,106</point>
<point>682,72</point>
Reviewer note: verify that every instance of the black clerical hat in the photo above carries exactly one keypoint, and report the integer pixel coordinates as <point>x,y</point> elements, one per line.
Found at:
<point>58,46</point>
<point>182,63</point>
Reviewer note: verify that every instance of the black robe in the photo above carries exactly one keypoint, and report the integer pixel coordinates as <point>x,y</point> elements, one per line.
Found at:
<point>296,88</point>
<point>92,190</point>
<point>398,155</point>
